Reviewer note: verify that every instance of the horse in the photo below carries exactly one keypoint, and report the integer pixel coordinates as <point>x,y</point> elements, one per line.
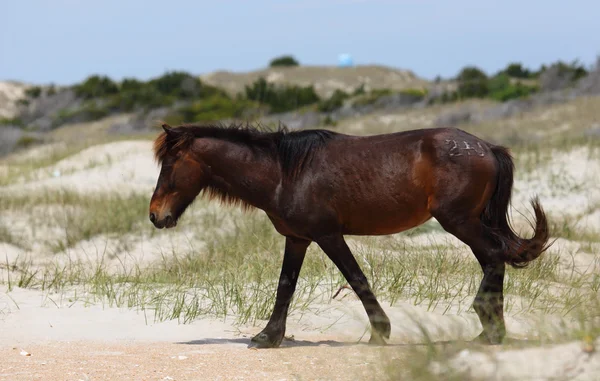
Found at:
<point>318,185</point>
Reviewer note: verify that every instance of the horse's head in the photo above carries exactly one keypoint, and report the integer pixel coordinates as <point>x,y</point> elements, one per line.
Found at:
<point>182,176</point>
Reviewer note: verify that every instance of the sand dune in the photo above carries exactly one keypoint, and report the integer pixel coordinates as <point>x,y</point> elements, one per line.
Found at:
<point>76,337</point>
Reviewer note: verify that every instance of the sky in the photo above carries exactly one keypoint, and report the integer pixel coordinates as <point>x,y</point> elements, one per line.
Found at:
<point>64,41</point>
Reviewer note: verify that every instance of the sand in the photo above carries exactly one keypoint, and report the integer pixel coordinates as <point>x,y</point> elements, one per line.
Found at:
<point>71,339</point>
<point>10,93</point>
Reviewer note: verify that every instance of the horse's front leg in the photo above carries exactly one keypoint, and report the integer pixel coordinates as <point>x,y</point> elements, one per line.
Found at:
<point>338,251</point>
<point>272,335</point>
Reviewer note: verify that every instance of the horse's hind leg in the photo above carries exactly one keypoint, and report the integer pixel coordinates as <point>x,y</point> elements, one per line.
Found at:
<point>338,251</point>
<point>489,301</point>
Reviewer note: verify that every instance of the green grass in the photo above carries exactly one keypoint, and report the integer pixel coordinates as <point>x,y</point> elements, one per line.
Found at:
<point>7,236</point>
<point>236,273</point>
<point>18,167</point>
<point>231,266</point>
<point>80,217</point>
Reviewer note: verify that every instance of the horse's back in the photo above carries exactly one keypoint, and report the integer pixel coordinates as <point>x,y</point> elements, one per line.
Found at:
<point>383,184</point>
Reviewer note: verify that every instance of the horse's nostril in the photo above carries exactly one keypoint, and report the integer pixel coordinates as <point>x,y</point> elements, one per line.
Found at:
<point>152,217</point>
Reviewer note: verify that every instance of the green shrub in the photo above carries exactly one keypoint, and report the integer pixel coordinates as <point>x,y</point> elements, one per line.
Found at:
<point>96,87</point>
<point>513,92</point>
<point>173,119</point>
<point>499,82</point>
<point>418,94</point>
<point>284,61</point>
<point>33,92</point>
<point>132,93</point>
<point>131,84</point>
<point>502,89</point>
<point>88,112</point>
<point>371,97</point>
<point>334,102</point>
<point>94,112</point>
<point>328,121</point>
<point>575,70</point>
<point>516,70</point>
<point>448,97</point>
<point>215,108</point>
<point>472,83</point>
<point>51,90</point>
<point>179,84</point>
<point>17,122</point>
<point>281,98</point>
<point>360,90</point>
<point>27,141</point>
<point>145,97</point>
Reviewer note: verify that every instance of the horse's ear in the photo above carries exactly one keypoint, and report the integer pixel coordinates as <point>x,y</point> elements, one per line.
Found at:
<point>167,128</point>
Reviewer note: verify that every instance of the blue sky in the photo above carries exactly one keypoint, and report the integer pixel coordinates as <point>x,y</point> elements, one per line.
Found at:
<point>64,41</point>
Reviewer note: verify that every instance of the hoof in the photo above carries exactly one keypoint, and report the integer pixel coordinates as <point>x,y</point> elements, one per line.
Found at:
<point>489,338</point>
<point>381,327</point>
<point>377,339</point>
<point>262,340</point>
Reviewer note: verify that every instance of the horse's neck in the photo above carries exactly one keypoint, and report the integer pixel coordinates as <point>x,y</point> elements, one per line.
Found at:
<point>241,173</point>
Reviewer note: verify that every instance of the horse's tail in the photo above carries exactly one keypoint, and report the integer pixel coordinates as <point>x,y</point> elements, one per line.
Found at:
<point>518,252</point>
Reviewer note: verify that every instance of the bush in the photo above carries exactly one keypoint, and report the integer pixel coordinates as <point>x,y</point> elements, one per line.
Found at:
<point>371,97</point>
<point>472,83</point>
<point>146,97</point>
<point>281,98</point>
<point>132,84</point>
<point>179,84</point>
<point>561,75</point>
<point>27,141</point>
<point>33,92</point>
<point>215,108</point>
<point>334,102</point>
<point>498,84</point>
<point>163,91</point>
<point>447,97</point>
<point>360,90</point>
<point>328,121</point>
<point>173,119</point>
<point>502,89</point>
<point>283,61</point>
<point>88,112</point>
<point>133,94</point>
<point>96,87</point>
<point>15,122</point>
<point>418,94</point>
<point>94,112</point>
<point>516,70</point>
<point>159,92</point>
<point>573,71</point>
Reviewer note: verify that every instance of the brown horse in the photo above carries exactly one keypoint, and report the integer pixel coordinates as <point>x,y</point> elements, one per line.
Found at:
<point>319,185</point>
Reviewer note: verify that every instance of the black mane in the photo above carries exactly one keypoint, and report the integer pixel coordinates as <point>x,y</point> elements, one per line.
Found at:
<point>293,149</point>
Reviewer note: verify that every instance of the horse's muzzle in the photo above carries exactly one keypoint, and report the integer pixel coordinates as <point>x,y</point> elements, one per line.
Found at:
<point>167,222</point>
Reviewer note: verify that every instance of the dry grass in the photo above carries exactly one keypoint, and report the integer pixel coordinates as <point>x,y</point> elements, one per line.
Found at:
<point>231,263</point>
<point>562,125</point>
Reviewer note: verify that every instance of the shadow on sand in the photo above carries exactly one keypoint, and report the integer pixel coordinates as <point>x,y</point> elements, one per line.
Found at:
<point>292,343</point>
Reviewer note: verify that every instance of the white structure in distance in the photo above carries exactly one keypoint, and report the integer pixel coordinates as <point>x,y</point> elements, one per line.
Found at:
<point>345,60</point>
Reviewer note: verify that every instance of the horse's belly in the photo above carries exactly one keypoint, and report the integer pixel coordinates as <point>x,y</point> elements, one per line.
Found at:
<point>385,220</point>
